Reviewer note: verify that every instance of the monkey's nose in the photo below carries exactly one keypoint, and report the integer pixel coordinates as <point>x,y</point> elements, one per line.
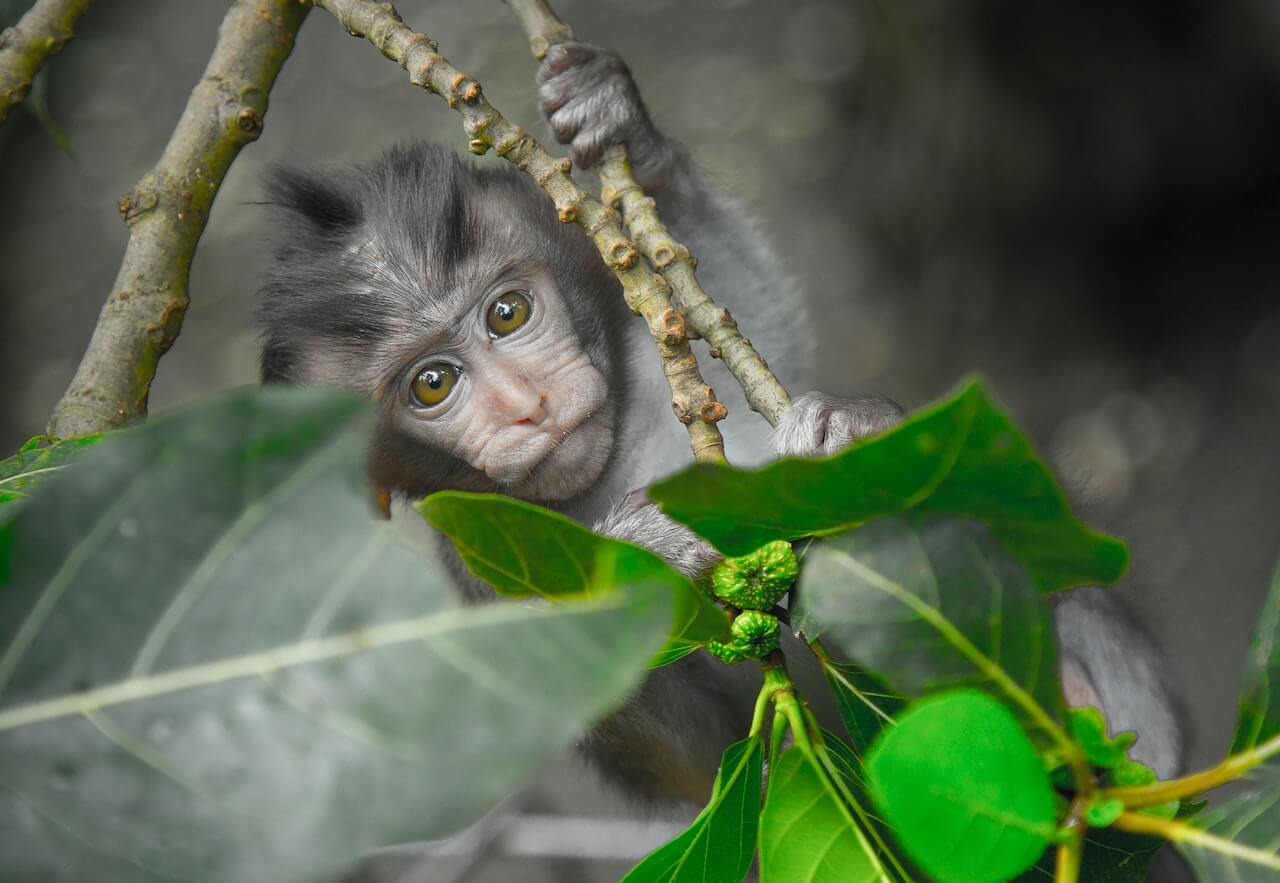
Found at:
<point>536,413</point>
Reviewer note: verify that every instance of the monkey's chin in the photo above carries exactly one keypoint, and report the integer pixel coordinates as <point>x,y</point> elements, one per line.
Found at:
<point>570,468</point>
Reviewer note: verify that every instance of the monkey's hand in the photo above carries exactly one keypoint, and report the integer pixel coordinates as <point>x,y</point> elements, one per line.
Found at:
<point>637,520</point>
<point>820,424</point>
<point>591,103</point>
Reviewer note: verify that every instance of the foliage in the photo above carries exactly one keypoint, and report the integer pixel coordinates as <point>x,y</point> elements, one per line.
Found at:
<point>38,460</point>
<point>203,631</point>
<point>213,660</point>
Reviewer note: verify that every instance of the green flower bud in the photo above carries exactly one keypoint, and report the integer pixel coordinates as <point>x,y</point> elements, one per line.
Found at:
<point>758,580</point>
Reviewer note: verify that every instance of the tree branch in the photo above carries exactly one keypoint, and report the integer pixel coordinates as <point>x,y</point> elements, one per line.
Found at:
<point>166,214</point>
<point>646,293</point>
<point>764,394</point>
<point>43,31</point>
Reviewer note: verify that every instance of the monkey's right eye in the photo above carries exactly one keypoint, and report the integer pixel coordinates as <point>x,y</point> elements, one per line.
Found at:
<point>434,383</point>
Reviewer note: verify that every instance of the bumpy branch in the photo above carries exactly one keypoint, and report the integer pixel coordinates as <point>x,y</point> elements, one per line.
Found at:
<point>646,293</point>
<point>166,214</point>
<point>763,392</point>
<point>43,31</point>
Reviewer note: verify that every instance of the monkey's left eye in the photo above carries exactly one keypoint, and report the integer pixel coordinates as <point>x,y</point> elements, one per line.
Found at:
<point>434,383</point>
<point>508,313</point>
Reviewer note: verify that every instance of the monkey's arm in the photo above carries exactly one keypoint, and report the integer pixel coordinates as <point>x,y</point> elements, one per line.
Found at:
<point>591,102</point>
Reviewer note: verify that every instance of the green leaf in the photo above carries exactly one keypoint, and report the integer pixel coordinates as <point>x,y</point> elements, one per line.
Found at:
<point>719,845</point>
<point>807,834</point>
<point>1260,684</point>
<point>963,788</point>
<point>1236,840</point>
<point>963,456</point>
<point>932,607</point>
<point>522,550</point>
<point>866,704</point>
<point>40,459</point>
<point>217,664</point>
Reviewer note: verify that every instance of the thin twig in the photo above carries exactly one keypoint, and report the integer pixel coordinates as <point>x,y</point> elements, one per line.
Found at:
<point>646,293</point>
<point>166,214</point>
<point>764,394</point>
<point>24,48</point>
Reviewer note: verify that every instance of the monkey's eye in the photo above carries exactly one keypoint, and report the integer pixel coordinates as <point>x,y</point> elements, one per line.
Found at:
<point>508,313</point>
<point>434,383</point>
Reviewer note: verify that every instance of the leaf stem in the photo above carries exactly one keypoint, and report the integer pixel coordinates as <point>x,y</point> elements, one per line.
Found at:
<point>1179,832</point>
<point>1197,783</point>
<point>1067,867</point>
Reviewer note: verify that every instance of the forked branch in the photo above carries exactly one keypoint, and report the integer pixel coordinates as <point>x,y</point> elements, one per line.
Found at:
<point>672,259</point>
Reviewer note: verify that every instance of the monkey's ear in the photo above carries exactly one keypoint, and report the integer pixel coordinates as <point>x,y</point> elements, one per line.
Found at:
<point>325,202</point>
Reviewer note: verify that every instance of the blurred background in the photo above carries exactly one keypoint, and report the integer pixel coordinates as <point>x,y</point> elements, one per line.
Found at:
<point>1081,201</point>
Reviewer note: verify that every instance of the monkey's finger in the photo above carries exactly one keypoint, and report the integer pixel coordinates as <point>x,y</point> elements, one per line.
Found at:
<point>562,56</point>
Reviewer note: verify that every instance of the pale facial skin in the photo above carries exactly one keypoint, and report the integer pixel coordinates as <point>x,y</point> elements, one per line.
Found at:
<point>509,390</point>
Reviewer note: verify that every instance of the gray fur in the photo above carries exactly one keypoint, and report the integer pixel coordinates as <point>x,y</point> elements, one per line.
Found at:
<point>1097,636</point>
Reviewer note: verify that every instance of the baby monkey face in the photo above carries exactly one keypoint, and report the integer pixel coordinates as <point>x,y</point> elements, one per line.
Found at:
<point>509,389</point>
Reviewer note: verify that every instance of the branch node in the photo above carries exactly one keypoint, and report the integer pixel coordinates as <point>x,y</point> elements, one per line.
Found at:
<point>673,328</point>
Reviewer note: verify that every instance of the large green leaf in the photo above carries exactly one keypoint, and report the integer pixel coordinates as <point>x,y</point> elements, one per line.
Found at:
<point>963,789</point>
<point>933,606</point>
<point>39,460</point>
<point>719,845</point>
<point>216,664</point>
<point>1239,839</point>
<point>521,550</point>
<point>1260,684</point>
<point>963,456</point>
<point>807,834</point>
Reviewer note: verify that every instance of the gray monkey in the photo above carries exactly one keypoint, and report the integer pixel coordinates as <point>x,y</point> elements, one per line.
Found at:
<point>503,359</point>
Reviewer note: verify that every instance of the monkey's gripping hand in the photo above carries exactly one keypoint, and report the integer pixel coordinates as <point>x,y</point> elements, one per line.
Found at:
<point>591,102</point>
<point>637,520</point>
<point>819,424</point>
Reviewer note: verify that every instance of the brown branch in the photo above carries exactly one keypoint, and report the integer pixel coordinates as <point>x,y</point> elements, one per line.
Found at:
<point>764,394</point>
<point>166,214</point>
<point>43,31</point>
<point>646,293</point>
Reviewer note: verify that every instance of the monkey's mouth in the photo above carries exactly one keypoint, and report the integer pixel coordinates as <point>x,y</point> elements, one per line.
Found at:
<point>567,462</point>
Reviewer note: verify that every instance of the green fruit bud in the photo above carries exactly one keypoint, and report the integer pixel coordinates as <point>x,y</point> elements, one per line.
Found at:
<point>755,633</point>
<point>757,580</point>
<point>726,653</point>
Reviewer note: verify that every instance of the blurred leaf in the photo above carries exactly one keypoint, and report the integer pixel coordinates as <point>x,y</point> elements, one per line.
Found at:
<point>963,788</point>
<point>37,104</point>
<point>866,705</point>
<point>39,459</point>
<point>932,607</point>
<point>1260,683</point>
<point>963,456</point>
<point>521,550</point>
<point>216,664</point>
<point>1242,834</point>
<point>807,834</point>
<point>719,845</point>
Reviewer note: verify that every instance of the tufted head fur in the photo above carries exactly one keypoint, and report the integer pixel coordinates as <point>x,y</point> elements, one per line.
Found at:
<point>373,264</point>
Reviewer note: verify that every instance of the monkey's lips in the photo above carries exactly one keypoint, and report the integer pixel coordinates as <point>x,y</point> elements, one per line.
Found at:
<point>561,463</point>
